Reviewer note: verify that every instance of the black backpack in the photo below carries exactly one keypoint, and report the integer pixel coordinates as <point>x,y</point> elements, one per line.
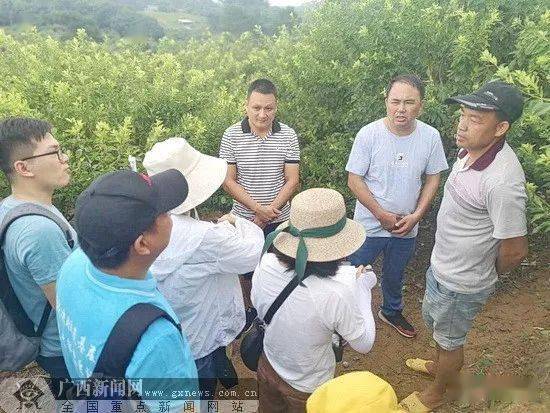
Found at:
<point>115,358</point>
<point>19,341</point>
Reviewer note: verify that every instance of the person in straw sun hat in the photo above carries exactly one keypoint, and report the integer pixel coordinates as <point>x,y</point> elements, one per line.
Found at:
<point>198,270</point>
<point>331,298</point>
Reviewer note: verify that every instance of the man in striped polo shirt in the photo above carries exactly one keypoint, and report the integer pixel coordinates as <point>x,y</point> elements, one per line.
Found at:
<point>263,171</point>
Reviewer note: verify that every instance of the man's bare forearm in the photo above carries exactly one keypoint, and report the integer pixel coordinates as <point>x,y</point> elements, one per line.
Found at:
<point>506,263</point>
<point>284,195</point>
<point>49,292</point>
<point>427,195</point>
<point>239,194</point>
<point>363,194</point>
<point>510,254</point>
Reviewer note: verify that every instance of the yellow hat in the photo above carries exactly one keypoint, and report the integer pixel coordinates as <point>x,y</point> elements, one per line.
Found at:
<point>356,392</point>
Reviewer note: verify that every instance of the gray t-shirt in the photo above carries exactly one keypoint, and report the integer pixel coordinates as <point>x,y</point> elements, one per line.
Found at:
<point>34,250</point>
<point>479,208</point>
<point>392,167</point>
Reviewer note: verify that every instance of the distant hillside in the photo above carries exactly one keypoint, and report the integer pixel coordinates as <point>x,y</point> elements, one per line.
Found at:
<point>63,17</point>
<point>179,19</point>
<point>182,18</point>
<point>179,24</point>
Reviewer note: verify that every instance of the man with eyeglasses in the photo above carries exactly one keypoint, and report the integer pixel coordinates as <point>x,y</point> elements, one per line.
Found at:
<point>35,247</point>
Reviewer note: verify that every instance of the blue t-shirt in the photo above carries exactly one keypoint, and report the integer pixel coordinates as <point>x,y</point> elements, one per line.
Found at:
<point>89,302</point>
<point>34,250</point>
<point>392,167</point>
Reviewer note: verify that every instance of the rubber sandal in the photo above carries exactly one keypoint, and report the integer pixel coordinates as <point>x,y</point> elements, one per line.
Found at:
<point>413,404</point>
<point>418,365</point>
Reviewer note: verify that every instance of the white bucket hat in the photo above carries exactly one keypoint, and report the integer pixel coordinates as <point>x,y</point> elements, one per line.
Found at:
<point>318,229</point>
<point>204,173</point>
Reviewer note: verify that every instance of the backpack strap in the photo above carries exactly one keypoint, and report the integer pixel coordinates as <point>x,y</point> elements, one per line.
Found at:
<point>124,338</point>
<point>13,306</point>
<point>281,298</point>
<point>29,208</point>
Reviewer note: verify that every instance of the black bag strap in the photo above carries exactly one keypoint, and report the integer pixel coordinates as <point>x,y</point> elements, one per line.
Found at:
<point>124,338</point>
<point>44,319</point>
<point>281,298</point>
<point>13,306</point>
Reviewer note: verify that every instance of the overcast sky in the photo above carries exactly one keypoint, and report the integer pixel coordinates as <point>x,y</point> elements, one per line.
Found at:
<point>287,2</point>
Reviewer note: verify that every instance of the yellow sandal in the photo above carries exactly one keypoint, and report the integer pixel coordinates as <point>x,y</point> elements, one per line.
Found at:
<point>418,365</point>
<point>413,404</point>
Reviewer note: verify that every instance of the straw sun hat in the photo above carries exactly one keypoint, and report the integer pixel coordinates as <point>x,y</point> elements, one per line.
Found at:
<point>204,173</point>
<point>318,222</point>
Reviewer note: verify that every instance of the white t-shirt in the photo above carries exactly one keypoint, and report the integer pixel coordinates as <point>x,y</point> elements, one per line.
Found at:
<point>298,341</point>
<point>392,167</point>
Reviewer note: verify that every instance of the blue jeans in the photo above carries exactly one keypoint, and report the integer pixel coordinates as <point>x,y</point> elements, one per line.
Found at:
<point>397,254</point>
<point>449,314</point>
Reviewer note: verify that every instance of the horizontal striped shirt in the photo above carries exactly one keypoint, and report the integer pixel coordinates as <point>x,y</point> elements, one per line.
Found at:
<point>260,162</point>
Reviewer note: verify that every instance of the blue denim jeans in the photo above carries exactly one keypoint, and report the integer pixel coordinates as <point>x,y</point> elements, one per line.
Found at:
<point>449,314</point>
<point>397,254</point>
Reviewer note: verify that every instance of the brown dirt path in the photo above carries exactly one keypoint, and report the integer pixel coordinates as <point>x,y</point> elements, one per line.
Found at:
<point>509,336</point>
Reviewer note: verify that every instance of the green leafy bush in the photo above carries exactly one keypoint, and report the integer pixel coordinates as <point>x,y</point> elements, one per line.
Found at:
<point>109,100</point>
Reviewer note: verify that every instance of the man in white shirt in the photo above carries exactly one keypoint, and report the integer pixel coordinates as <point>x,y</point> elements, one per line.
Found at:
<point>390,159</point>
<point>198,271</point>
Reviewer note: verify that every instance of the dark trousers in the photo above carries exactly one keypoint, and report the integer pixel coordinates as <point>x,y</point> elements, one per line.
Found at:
<point>397,254</point>
<point>212,368</point>
<point>59,381</point>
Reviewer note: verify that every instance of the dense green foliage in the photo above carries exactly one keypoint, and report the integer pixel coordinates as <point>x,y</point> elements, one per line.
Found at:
<point>109,101</point>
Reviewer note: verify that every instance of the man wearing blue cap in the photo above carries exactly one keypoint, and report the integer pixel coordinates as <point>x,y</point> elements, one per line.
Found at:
<point>481,233</point>
<point>105,290</point>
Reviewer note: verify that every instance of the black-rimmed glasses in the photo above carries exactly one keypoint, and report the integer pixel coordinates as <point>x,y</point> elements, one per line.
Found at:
<point>60,155</point>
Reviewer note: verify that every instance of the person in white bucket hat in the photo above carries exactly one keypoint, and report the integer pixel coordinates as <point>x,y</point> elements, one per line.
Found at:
<point>332,298</point>
<point>198,271</point>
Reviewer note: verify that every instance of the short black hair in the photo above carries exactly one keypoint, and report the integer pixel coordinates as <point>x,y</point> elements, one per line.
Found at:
<point>110,260</point>
<point>263,86</point>
<point>410,79</point>
<point>18,138</point>
<point>320,269</point>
